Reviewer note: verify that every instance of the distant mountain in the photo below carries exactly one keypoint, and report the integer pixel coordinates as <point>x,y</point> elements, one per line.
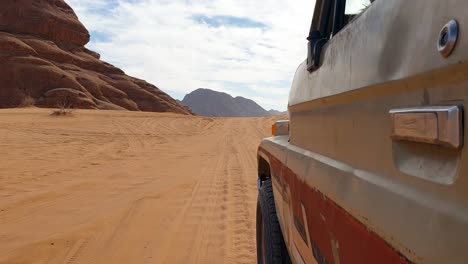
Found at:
<point>206,102</point>
<point>276,112</point>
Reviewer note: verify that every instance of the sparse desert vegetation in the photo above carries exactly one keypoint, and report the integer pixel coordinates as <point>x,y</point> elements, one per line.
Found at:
<point>28,101</point>
<point>63,110</point>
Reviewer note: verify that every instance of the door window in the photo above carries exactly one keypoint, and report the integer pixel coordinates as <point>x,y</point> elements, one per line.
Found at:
<point>330,16</point>
<point>355,7</point>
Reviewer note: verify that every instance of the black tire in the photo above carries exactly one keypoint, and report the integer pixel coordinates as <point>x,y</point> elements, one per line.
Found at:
<point>271,248</point>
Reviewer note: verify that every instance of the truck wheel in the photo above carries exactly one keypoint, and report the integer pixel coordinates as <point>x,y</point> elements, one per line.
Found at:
<point>271,248</point>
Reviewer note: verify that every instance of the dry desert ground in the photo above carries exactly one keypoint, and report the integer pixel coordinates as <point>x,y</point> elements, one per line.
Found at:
<point>127,187</point>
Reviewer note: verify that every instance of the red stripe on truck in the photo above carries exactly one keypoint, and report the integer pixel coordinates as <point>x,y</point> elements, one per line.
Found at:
<point>329,223</point>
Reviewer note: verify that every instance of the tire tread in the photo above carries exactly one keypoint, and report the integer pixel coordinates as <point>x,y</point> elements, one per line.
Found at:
<point>276,252</point>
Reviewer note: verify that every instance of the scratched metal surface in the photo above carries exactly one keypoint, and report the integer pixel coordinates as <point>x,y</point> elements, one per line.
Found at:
<point>386,59</point>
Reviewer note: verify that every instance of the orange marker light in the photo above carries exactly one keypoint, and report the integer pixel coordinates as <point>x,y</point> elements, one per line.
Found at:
<point>280,128</point>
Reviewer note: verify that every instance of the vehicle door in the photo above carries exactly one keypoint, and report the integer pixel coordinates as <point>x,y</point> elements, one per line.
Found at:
<point>377,171</point>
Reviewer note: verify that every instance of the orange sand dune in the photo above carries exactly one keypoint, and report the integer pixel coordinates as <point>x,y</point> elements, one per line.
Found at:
<point>125,187</point>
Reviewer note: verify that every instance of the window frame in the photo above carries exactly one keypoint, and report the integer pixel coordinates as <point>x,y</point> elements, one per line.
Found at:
<point>327,21</point>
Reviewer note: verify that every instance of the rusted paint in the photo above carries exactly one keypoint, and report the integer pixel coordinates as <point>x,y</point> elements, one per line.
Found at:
<point>327,222</point>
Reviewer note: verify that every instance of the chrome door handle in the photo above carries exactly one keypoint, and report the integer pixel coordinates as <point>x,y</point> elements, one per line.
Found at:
<point>438,125</point>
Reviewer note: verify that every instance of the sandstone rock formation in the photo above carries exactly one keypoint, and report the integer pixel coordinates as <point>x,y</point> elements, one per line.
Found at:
<point>42,55</point>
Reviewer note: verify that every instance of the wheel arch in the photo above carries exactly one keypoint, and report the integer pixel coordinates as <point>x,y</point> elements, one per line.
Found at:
<point>264,171</point>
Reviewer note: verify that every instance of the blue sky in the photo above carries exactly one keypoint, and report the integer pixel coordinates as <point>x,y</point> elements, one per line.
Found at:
<point>242,47</point>
<point>227,21</point>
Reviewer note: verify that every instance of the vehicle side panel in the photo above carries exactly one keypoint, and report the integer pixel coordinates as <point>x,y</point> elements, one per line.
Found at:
<point>340,129</point>
<point>320,230</point>
<point>390,41</point>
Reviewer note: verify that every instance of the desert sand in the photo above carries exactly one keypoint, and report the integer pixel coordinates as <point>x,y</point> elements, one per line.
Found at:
<point>127,187</point>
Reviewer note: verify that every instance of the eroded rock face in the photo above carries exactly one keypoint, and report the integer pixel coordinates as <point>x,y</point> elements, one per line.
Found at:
<point>42,55</point>
<point>50,19</point>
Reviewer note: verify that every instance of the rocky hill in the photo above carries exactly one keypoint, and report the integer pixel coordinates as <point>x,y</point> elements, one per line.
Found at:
<point>43,61</point>
<point>276,112</point>
<point>207,102</point>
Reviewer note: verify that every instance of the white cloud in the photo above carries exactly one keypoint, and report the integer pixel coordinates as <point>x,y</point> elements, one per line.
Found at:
<point>161,42</point>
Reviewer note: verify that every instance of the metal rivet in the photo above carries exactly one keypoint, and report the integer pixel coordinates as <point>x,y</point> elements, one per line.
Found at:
<point>448,38</point>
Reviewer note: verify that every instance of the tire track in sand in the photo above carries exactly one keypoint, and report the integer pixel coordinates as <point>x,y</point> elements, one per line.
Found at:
<point>149,188</point>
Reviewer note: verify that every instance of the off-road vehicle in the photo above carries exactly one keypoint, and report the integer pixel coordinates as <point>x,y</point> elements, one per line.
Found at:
<point>371,167</point>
